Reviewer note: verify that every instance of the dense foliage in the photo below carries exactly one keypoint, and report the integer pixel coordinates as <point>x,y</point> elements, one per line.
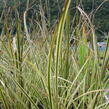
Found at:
<point>10,10</point>
<point>41,66</point>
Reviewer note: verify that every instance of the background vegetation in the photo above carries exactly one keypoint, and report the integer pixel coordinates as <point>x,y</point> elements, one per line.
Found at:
<point>12,9</point>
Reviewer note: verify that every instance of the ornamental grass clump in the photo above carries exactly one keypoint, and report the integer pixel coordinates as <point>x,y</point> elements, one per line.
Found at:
<point>52,75</point>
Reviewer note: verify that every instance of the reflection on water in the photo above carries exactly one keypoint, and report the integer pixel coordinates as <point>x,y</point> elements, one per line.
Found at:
<point>101,46</point>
